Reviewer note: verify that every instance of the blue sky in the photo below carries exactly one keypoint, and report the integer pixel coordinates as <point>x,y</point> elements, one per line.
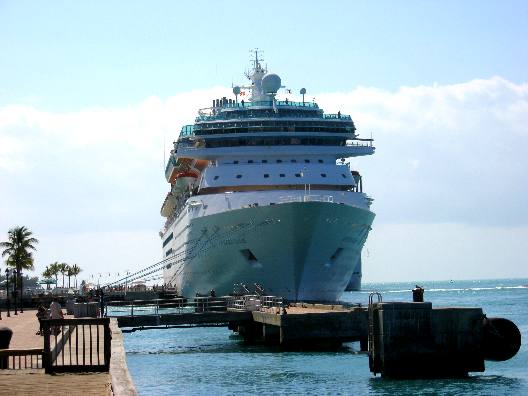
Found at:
<point>90,91</point>
<point>67,55</point>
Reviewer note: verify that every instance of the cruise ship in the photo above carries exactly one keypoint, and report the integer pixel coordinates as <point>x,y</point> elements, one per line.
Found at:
<point>261,193</point>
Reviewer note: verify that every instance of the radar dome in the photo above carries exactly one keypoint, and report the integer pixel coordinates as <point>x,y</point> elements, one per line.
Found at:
<point>271,83</point>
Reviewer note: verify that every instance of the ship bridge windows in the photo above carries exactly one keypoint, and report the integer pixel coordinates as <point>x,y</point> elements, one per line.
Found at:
<point>275,141</point>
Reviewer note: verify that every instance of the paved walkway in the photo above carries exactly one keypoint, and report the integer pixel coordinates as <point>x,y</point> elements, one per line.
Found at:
<point>35,382</point>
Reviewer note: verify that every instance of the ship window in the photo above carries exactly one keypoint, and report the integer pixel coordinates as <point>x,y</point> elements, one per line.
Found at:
<point>250,161</point>
<point>323,174</point>
<point>282,175</point>
<point>279,161</point>
<point>235,162</point>
<point>307,161</point>
<point>320,161</point>
<point>169,238</point>
<point>168,252</point>
<point>266,175</point>
<point>293,160</point>
<point>272,203</point>
<point>297,175</point>
<point>264,161</point>
<point>238,176</point>
<point>216,177</point>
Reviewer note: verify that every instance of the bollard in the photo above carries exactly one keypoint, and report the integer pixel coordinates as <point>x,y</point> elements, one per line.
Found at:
<point>5,339</point>
<point>418,294</point>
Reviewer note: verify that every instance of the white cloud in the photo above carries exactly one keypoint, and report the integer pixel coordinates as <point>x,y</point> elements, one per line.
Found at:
<point>451,154</point>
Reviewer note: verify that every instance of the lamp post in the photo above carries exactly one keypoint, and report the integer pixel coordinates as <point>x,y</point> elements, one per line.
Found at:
<point>21,290</point>
<point>8,303</point>
<point>15,292</point>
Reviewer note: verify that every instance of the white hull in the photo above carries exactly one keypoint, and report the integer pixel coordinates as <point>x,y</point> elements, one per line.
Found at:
<point>299,250</point>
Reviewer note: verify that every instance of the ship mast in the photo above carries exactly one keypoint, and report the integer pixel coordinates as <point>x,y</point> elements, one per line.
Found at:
<point>255,76</point>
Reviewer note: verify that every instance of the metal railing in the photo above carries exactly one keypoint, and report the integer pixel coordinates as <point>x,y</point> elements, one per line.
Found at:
<point>20,359</point>
<point>166,306</point>
<point>76,345</point>
<point>180,305</point>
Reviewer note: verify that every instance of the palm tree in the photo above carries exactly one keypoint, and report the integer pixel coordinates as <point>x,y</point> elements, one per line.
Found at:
<point>54,271</point>
<point>47,274</point>
<point>75,270</point>
<point>18,251</point>
<point>63,270</point>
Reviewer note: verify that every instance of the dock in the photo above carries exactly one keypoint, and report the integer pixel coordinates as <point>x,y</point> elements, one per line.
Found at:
<point>33,379</point>
<point>403,339</point>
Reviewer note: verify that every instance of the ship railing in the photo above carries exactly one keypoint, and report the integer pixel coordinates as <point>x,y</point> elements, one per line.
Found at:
<point>337,116</point>
<point>306,198</point>
<point>353,143</point>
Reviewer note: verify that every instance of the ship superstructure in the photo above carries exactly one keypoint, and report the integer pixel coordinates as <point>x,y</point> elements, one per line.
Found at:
<point>261,193</point>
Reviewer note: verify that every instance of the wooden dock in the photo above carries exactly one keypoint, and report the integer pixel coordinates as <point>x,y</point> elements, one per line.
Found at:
<point>35,381</point>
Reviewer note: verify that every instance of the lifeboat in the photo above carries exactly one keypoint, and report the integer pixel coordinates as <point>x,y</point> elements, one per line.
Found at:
<point>168,205</point>
<point>176,166</point>
<point>184,179</point>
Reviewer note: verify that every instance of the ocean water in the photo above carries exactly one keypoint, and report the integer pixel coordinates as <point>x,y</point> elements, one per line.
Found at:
<point>211,361</point>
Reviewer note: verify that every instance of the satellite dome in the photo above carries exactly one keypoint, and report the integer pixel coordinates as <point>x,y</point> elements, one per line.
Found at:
<point>271,83</point>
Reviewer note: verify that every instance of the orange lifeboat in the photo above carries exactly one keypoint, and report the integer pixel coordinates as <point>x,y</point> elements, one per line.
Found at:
<point>184,179</point>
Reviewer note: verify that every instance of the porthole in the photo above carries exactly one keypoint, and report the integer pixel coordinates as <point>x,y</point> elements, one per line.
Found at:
<point>282,175</point>
<point>235,162</point>
<point>250,161</point>
<point>323,174</point>
<point>264,161</point>
<point>297,175</point>
<point>238,176</point>
<point>266,175</point>
<point>279,161</point>
<point>321,161</point>
<point>216,177</point>
<point>307,161</point>
<point>293,160</point>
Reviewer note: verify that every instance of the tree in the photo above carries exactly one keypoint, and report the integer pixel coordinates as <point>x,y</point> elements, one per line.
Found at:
<point>48,273</point>
<point>18,249</point>
<point>54,271</point>
<point>63,269</point>
<point>74,270</point>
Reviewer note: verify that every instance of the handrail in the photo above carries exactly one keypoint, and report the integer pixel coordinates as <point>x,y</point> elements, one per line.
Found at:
<point>8,359</point>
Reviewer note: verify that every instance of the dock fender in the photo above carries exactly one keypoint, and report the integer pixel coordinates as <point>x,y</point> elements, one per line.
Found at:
<point>501,339</point>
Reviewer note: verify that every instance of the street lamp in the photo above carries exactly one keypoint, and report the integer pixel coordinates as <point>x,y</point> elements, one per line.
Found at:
<point>15,292</point>
<point>8,303</point>
<point>21,290</point>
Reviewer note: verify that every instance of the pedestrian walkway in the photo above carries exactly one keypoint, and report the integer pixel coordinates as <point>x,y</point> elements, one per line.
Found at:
<point>34,381</point>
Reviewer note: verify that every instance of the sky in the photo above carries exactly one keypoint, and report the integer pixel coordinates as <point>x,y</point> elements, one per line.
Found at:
<point>93,93</point>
